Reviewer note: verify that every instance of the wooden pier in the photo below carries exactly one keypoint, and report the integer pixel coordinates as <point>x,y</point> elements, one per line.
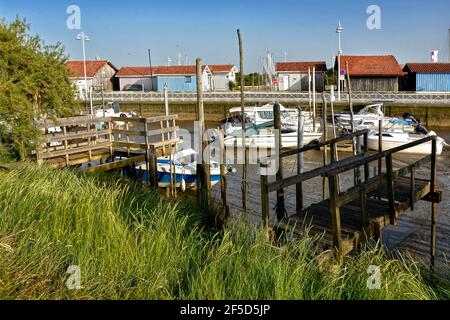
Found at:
<point>69,142</point>
<point>349,218</point>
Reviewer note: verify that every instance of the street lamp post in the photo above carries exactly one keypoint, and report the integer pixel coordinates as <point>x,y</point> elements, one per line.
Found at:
<point>84,37</point>
<point>339,30</point>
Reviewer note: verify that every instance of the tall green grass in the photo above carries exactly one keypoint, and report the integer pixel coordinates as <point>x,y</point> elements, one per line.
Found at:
<point>131,243</point>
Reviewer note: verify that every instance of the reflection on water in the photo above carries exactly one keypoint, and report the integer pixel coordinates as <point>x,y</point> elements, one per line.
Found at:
<point>413,229</point>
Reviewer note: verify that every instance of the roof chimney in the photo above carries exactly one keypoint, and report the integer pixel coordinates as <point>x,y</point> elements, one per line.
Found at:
<point>434,56</point>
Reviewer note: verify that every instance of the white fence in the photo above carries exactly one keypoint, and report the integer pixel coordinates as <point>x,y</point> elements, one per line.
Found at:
<point>234,97</point>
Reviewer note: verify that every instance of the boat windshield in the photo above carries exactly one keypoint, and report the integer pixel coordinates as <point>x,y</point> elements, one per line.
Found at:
<point>268,115</point>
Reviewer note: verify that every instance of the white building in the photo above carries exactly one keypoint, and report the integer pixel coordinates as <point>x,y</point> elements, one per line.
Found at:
<point>222,75</point>
<point>293,76</point>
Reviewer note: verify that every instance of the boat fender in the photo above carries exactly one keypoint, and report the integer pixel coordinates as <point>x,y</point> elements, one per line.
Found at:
<point>183,184</point>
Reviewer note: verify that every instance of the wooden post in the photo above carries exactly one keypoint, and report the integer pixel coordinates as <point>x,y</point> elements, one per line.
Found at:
<point>148,154</point>
<point>153,167</point>
<point>426,116</point>
<point>264,198</point>
<point>325,147</point>
<point>335,213</point>
<point>390,189</point>
<point>433,203</point>
<point>314,97</point>
<point>66,145</point>
<point>380,144</point>
<point>366,152</point>
<point>335,155</point>
<point>352,121</point>
<point>364,209</point>
<point>413,187</point>
<point>278,144</point>
<point>203,173</point>
<point>223,175</point>
<point>244,149</point>
<point>299,187</point>
<point>111,139</point>
<point>310,100</point>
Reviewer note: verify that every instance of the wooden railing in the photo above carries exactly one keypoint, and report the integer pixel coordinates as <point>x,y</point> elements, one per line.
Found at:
<point>80,140</point>
<point>361,189</point>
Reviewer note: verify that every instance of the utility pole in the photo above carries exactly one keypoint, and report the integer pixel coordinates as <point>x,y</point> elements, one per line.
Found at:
<point>84,37</point>
<point>339,30</point>
<point>151,69</point>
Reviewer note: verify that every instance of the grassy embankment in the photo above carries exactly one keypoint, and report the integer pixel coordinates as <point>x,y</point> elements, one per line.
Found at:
<point>130,243</point>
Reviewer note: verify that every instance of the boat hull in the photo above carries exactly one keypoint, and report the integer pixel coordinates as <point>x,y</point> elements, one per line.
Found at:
<point>424,148</point>
<point>267,141</point>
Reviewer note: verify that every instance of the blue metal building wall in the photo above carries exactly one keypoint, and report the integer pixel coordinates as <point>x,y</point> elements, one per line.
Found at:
<point>433,82</point>
<point>177,83</point>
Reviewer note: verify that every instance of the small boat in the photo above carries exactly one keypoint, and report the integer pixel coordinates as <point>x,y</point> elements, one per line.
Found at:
<point>265,139</point>
<point>395,138</point>
<point>368,118</point>
<point>257,116</point>
<point>185,175</point>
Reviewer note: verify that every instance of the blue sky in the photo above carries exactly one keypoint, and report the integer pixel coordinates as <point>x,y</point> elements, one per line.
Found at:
<point>122,31</point>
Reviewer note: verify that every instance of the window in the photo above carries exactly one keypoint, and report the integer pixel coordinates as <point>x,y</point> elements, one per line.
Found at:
<point>188,79</point>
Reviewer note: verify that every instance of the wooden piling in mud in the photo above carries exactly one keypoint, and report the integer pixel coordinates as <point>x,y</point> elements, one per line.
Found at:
<point>299,186</point>
<point>203,168</point>
<point>278,145</point>
<point>325,147</point>
<point>244,149</point>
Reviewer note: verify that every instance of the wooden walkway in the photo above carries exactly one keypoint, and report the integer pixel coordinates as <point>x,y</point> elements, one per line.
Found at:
<point>349,218</point>
<point>104,144</point>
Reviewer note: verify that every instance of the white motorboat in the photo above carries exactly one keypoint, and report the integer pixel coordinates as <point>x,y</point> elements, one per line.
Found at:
<point>265,139</point>
<point>258,116</point>
<point>367,118</point>
<point>185,174</point>
<point>395,138</point>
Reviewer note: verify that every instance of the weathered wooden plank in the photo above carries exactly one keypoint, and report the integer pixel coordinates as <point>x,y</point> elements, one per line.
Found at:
<point>310,174</point>
<point>165,143</point>
<point>55,154</point>
<point>115,165</point>
<point>142,133</point>
<point>74,136</point>
<point>72,121</point>
<point>129,144</point>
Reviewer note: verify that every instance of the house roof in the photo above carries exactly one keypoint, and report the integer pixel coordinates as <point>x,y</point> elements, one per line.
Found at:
<point>427,67</point>
<point>371,65</point>
<point>221,68</point>
<point>300,66</point>
<point>76,67</point>
<point>157,70</point>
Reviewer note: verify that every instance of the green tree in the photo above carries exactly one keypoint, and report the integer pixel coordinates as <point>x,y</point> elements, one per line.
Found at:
<point>330,77</point>
<point>33,83</point>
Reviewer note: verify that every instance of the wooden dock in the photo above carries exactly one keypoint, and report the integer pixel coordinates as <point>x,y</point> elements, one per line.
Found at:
<point>97,143</point>
<point>360,213</point>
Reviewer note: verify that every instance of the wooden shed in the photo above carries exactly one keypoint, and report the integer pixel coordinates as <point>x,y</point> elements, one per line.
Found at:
<point>372,73</point>
<point>427,77</point>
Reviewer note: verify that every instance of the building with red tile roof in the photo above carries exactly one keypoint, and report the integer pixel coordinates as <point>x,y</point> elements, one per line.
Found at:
<point>177,78</point>
<point>98,73</point>
<point>293,76</point>
<point>222,75</point>
<point>372,73</point>
<point>427,77</point>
